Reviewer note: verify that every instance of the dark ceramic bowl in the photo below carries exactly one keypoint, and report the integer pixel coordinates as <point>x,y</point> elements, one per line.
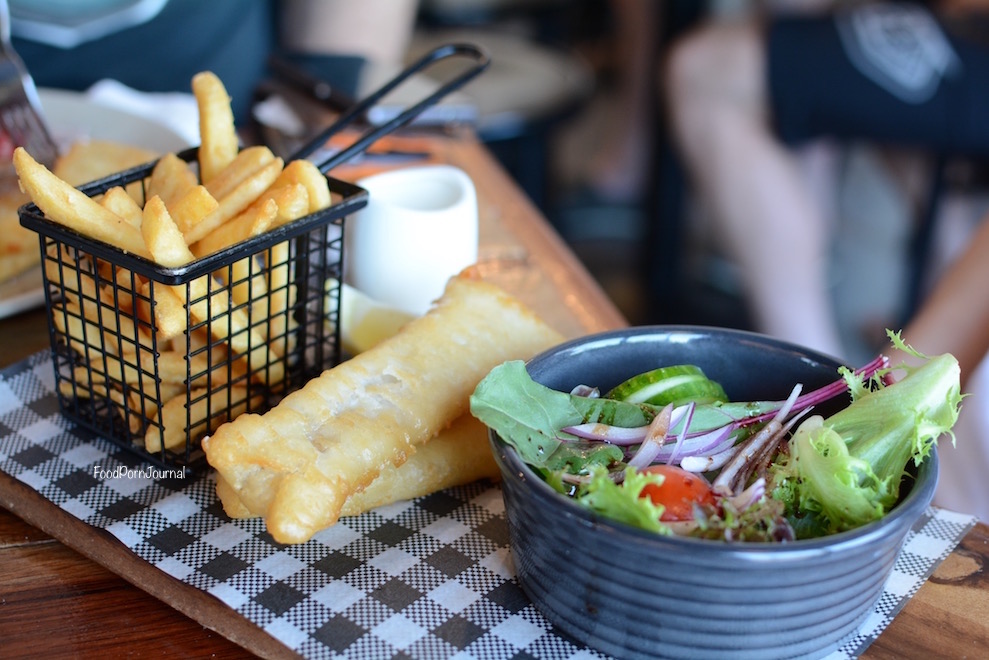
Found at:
<point>630,593</point>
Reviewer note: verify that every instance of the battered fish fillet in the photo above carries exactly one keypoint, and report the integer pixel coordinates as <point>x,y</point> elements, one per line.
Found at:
<point>297,464</point>
<point>459,455</point>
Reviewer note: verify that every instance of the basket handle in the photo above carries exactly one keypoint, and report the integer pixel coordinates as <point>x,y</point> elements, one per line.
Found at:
<point>481,60</point>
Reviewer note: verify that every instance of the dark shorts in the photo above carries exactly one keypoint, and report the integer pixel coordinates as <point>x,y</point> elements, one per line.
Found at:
<point>889,76</point>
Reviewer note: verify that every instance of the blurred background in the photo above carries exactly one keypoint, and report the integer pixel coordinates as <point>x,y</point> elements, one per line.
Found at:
<point>571,108</point>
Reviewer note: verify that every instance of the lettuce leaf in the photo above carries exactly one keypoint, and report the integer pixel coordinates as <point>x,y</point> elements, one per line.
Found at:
<point>846,470</point>
<point>531,416</point>
<point>622,502</point>
<point>525,414</point>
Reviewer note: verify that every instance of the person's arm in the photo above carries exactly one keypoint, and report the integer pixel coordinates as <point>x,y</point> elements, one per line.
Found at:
<point>963,7</point>
<point>954,318</point>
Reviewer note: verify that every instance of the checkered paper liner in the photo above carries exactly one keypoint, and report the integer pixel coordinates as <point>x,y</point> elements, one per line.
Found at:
<point>428,578</point>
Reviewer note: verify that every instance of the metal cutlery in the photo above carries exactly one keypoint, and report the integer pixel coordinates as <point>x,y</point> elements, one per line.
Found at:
<point>22,122</point>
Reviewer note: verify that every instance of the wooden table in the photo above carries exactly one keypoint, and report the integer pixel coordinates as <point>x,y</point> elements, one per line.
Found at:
<point>61,590</point>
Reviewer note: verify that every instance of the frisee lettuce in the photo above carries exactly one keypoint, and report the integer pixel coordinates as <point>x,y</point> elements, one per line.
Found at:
<point>622,502</point>
<point>846,470</point>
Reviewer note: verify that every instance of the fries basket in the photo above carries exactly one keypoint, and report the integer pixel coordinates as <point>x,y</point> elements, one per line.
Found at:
<point>155,358</point>
<point>157,393</point>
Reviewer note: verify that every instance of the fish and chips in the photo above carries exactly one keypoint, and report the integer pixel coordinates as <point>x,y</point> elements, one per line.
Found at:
<point>390,423</point>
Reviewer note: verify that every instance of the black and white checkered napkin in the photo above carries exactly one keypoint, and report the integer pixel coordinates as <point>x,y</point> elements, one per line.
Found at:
<point>427,578</point>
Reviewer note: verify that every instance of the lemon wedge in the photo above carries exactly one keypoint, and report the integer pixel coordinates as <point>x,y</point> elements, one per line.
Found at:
<point>366,322</point>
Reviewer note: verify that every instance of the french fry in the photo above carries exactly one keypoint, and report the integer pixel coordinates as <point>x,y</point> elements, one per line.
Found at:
<point>87,385</point>
<point>145,404</point>
<point>171,177</point>
<point>207,411</point>
<point>243,277</point>
<point>68,206</point>
<point>198,340</point>
<point>247,283</point>
<point>245,163</point>
<point>218,137</point>
<point>277,206</point>
<point>191,208</point>
<point>79,384</point>
<point>280,298</point>
<point>163,237</point>
<point>118,324</point>
<point>254,220</point>
<point>106,374</point>
<point>95,327</point>
<point>293,205</point>
<point>61,267</point>
<point>171,367</point>
<point>168,248</point>
<point>169,311</point>
<point>126,285</point>
<point>111,368</point>
<point>88,160</point>
<point>104,270</point>
<point>120,291</point>
<point>206,371</point>
<point>83,337</point>
<point>292,200</point>
<point>236,201</point>
<point>79,287</point>
<point>120,203</point>
<point>141,370</point>
<point>306,173</point>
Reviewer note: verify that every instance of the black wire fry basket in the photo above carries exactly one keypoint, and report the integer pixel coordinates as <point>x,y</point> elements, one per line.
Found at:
<point>153,358</point>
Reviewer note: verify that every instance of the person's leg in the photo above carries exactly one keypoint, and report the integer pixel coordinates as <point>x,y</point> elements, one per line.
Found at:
<point>620,168</point>
<point>718,108</point>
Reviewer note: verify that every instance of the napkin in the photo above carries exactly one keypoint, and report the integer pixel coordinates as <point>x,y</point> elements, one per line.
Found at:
<point>176,110</point>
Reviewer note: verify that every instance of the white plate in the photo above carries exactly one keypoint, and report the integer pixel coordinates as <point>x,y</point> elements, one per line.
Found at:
<point>72,117</point>
<point>21,293</point>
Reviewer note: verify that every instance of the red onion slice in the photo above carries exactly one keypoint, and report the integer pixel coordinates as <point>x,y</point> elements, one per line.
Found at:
<point>615,435</point>
<point>645,455</point>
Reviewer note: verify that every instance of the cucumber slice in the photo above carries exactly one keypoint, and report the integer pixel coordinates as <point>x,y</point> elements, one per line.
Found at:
<point>674,384</point>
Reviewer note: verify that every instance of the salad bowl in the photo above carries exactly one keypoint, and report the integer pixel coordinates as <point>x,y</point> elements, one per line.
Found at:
<point>629,592</point>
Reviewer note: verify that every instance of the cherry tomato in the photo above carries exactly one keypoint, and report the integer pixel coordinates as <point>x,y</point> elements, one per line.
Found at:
<point>679,491</point>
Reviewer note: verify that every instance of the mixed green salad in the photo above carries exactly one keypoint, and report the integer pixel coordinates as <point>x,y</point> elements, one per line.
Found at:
<point>666,451</point>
